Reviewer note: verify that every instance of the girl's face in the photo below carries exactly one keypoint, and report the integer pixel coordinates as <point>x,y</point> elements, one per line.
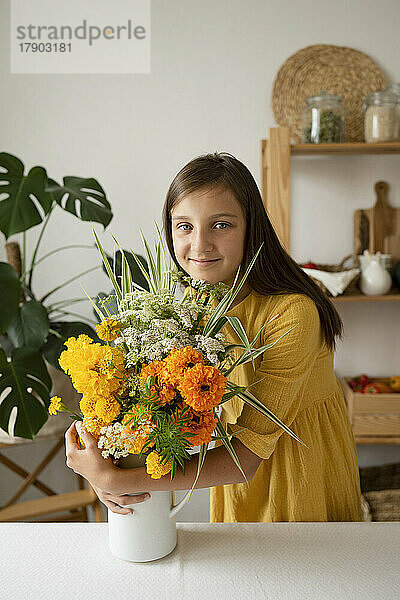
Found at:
<point>208,233</point>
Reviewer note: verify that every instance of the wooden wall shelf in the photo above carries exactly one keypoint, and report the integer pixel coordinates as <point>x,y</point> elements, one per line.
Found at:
<point>392,296</point>
<point>306,149</point>
<point>276,153</point>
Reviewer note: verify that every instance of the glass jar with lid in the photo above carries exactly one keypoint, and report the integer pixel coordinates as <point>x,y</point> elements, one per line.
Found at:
<point>381,121</point>
<point>394,88</point>
<point>323,119</point>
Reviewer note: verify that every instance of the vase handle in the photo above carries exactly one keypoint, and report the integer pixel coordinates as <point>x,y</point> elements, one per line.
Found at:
<point>175,508</point>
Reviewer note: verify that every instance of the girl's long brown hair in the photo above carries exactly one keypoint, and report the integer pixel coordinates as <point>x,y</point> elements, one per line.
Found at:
<point>274,272</point>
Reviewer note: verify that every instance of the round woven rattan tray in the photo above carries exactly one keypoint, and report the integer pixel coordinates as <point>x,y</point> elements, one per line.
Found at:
<point>337,69</point>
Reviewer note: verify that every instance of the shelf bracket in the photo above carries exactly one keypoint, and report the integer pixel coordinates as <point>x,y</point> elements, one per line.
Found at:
<point>275,177</point>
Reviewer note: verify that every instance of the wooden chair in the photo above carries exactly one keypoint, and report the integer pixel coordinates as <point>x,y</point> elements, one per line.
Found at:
<point>73,505</point>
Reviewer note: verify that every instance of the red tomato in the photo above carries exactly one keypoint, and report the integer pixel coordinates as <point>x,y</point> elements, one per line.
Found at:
<point>364,379</point>
<point>355,385</point>
<point>370,388</point>
<point>376,387</point>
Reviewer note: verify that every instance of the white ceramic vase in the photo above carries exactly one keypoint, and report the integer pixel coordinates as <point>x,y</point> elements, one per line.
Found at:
<point>149,532</point>
<point>375,279</point>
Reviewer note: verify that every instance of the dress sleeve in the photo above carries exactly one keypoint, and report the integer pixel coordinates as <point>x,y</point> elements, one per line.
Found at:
<point>284,369</point>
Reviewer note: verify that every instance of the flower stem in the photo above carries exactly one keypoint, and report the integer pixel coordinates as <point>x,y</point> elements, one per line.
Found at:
<point>37,247</point>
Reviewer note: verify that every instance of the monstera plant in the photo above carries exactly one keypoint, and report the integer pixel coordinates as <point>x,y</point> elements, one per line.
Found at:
<point>33,330</point>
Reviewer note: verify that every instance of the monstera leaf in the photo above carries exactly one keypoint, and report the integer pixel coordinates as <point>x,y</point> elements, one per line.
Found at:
<point>87,193</point>
<point>30,327</point>
<point>54,345</point>
<point>24,384</point>
<point>10,293</point>
<point>18,211</point>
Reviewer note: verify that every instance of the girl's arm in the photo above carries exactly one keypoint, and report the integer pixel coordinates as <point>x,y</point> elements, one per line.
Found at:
<point>218,469</point>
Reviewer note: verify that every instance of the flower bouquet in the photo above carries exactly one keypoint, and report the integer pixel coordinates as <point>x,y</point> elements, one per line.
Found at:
<point>153,390</point>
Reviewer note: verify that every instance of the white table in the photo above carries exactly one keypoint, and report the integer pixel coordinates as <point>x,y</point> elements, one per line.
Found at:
<point>321,561</point>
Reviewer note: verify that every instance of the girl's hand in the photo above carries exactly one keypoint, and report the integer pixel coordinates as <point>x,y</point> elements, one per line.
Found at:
<point>89,461</point>
<point>117,503</point>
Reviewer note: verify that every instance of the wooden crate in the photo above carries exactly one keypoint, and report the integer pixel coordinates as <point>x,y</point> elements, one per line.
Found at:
<point>375,418</point>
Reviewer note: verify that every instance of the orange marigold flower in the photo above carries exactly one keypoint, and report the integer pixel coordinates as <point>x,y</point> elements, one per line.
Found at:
<point>161,387</point>
<point>138,430</point>
<point>154,466</point>
<point>202,425</point>
<point>202,387</point>
<point>109,329</point>
<point>178,361</point>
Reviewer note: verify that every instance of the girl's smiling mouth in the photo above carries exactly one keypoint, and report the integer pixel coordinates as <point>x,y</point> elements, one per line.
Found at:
<point>204,262</point>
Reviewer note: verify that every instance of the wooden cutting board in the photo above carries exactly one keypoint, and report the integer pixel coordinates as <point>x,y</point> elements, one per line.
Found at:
<point>378,227</point>
<point>391,245</point>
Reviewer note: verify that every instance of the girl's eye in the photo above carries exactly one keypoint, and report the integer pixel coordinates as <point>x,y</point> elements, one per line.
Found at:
<point>225,224</point>
<point>181,226</point>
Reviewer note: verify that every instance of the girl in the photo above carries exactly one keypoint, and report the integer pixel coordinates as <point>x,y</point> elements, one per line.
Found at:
<point>214,222</point>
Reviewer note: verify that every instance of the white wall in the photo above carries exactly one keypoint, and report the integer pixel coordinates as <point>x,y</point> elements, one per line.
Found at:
<point>213,66</point>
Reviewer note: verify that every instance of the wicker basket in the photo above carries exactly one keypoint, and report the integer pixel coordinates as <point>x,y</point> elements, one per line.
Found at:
<point>353,285</point>
<point>380,487</point>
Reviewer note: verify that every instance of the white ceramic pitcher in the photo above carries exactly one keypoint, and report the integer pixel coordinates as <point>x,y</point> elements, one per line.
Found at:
<point>150,532</point>
<point>375,279</point>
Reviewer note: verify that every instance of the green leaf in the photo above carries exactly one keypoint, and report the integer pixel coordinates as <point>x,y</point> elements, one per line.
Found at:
<point>187,496</point>
<point>85,193</point>
<point>126,280</point>
<point>110,272</point>
<point>30,327</point>
<point>238,327</point>
<point>111,305</point>
<point>255,352</point>
<point>167,282</point>
<point>54,345</point>
<point>228,445</point>
<point>10,286</point>
<point>145,274</point>
<point>25,193</point>
<point>257,405</point>
<point>229,297</point>
<point>25,384</point>
<point>262,328</point>
<point>154,275</point>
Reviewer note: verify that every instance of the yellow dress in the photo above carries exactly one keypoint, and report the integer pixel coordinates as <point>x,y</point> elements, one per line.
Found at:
<point>319,482</point>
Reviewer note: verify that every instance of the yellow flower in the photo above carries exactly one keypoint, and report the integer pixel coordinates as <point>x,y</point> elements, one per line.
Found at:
<point>154,466</point>
<point>109,329</point>
<point>56,405</point>
<point>95,369</point>
<point>107,409</point>
<point>87,404</point>
<point>93,424</point>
